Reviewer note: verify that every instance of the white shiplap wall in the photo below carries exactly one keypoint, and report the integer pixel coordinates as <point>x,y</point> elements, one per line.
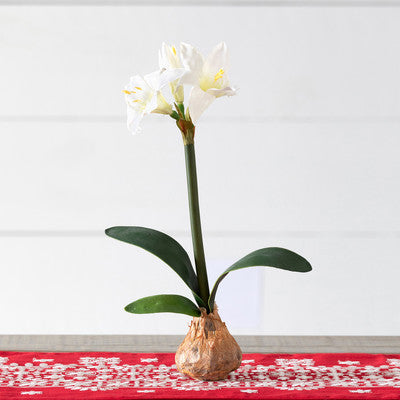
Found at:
<point>305,157</point>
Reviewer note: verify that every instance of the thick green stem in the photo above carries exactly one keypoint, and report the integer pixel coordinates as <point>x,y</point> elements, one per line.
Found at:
<point>195,223</point>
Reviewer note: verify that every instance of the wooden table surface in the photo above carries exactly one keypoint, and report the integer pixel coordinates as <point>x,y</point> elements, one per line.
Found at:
<point>169,343</point>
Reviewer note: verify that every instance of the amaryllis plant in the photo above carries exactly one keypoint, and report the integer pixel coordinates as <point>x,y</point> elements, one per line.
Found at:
<point>163,92</point>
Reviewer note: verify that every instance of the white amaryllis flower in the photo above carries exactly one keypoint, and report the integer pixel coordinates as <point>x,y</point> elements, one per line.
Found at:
<point>208,77</point>
<point>143,96</point>
<point>170,60</point>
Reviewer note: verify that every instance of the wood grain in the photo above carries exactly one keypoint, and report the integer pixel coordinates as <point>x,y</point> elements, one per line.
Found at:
<point>169,343</point>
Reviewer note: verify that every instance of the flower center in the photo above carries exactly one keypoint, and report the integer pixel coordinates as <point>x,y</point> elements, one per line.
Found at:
<point>219,74</point>
<point>138,98</point>
<point>132,91</point>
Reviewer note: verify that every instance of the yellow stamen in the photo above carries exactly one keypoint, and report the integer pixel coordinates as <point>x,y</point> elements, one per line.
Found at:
<point>173,49</point>
<point>219,74</point>
<point>127,92</point>
<point>136,101</point>
<point>138,88</point>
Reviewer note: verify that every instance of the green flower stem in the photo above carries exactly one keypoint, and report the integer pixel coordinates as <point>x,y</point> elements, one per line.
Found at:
<point>195,223</point>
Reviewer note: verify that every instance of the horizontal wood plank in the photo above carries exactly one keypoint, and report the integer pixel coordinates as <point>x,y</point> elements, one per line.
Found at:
<point>304,61</point>
<point>169,343</point>
<point>254,178</point>
<point>80,286</point>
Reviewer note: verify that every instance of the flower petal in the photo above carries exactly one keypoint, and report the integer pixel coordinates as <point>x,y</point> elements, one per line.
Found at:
<point>189,78</point>
<point>134,119</point>
<point>135,81</point>
<point>151,104</point>
<point>158,79</point>
<point>192,59</point>
<point>168,57</point>
<point>154,79</point>
<point>216,60</point>
<point>226,91</point>
<point>163,61</point>
<point>163,107</point>
<point>171,75</point>
<point>199,101</point>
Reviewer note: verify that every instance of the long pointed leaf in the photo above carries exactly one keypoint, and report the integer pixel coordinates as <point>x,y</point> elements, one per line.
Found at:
<point>199,300</point>
<point>164,303</point>
<point>269,257</point>
<point>162,246</point>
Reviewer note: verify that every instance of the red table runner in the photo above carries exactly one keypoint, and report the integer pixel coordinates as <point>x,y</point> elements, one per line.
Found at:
<point>154,376</point>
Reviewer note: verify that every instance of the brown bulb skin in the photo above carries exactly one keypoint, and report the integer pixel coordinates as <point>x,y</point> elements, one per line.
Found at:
<point>208,352</point>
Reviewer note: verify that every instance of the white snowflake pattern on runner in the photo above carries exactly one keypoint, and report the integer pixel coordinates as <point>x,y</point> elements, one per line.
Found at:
<point>109,373</point>
<point>32,392</point>
<point>394,361</point>
<point>348,362</point>
<point>292,362</point>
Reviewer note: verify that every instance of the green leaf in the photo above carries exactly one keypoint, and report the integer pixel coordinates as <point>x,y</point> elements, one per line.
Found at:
<point>181,108</point>
<point>174,115</point>
<point>199,300</point>
<point>269,257</point>
<point>164,303</point>
<point>162,246</point>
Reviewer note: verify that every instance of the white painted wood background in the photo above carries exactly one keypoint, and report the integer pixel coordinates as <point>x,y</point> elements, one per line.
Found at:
<point>305,157</point>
